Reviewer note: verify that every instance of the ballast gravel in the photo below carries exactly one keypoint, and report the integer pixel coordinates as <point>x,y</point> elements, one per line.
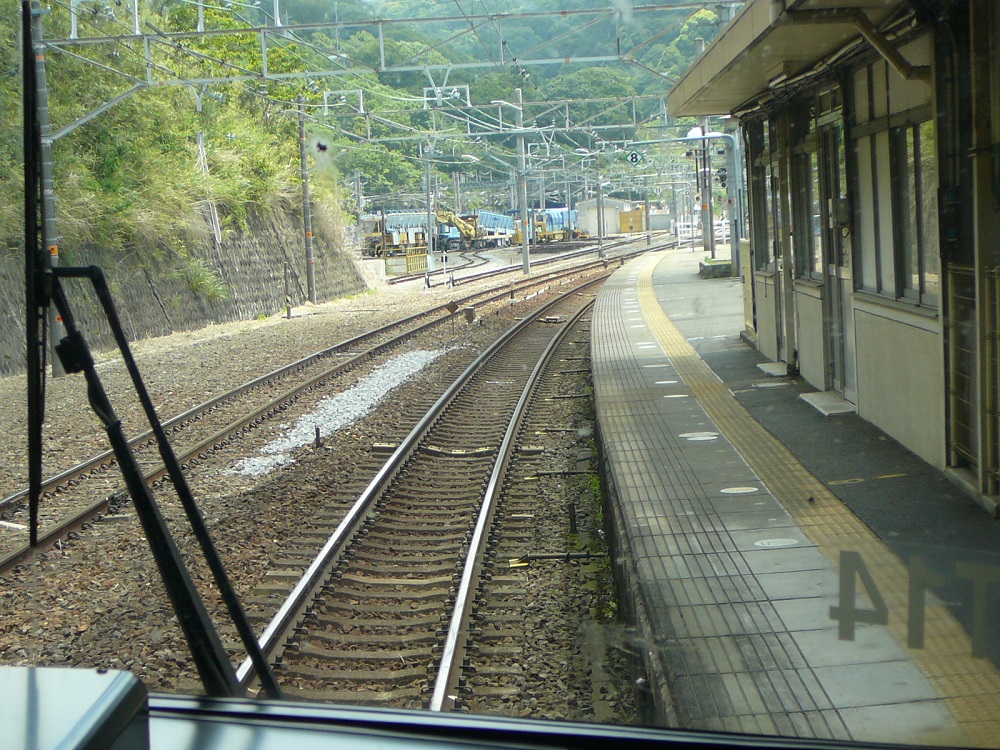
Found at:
<point>84,604</point>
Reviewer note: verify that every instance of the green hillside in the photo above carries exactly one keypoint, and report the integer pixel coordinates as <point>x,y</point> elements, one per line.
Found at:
<point>133,177</point>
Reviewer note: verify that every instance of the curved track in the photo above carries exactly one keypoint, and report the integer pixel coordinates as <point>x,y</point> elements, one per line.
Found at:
<point>362,625</point>
<point>85,490</point>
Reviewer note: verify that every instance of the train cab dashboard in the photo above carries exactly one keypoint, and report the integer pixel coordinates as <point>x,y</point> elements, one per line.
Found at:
<point>46,708</point>
<point>199,724</point>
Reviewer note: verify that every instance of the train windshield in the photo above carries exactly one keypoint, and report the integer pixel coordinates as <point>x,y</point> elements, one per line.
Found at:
<point>600,369</point>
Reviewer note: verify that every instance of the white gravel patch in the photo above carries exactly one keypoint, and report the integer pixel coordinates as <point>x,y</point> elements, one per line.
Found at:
<point>336,412</point>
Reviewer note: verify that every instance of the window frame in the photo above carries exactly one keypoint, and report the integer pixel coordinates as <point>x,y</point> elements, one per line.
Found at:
<point>916,244</point>
<point>885,138</point>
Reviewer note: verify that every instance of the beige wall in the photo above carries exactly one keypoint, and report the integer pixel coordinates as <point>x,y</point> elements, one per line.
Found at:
<point>766,296</point>
<point>746,274</point>
<point>901,377</point>
<point>811,336</point>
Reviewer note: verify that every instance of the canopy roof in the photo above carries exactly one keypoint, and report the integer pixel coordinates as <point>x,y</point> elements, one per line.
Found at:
<point>768,42</point>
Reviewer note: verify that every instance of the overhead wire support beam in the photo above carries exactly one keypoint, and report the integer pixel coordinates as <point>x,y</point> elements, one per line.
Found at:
<point>474,22</point>
<point>174,41</point>
<point>88,61</point>
<point>465,136</point>
<point>436,21</point>
<point>67,129</point>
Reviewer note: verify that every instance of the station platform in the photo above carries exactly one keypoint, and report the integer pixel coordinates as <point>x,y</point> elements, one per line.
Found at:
<point>790,571</point>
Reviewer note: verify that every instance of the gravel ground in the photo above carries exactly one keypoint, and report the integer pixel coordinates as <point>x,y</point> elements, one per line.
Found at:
<point>186,368</point>
<point>97,600</point>
<point>73,605</point>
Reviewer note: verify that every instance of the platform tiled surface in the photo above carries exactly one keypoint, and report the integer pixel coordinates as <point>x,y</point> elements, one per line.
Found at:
<point>736,570</point>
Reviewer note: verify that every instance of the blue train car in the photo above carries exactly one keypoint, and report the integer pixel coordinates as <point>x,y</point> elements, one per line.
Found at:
<point>496,229</point>
<point>547,225</point>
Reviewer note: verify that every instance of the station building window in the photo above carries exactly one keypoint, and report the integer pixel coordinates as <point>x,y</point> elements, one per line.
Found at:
<point>762,200</point>
<point>897,218</point>
<point>772,192</point>
<point>806,196</point>
<point>807,210</point>
<point>915,213</point>
<point>819,184</point>
<point>814,225</point>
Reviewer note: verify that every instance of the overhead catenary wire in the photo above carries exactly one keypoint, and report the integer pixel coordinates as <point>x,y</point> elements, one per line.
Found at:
<point>181,48</point>
<point>302,51</point>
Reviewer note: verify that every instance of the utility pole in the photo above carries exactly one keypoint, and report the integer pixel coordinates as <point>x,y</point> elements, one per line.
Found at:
<point>426,151</point>
<point>357,191</point>
<point>306,207</point>
<point>50,237</point>
<point>600,212</point>
<point>522,182</point>
<point>569,203</point>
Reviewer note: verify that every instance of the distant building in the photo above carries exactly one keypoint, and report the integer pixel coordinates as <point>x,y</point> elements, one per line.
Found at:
<point>612,209</point>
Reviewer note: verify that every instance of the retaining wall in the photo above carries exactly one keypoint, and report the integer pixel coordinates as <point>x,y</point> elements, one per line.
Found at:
<point>155,296</point>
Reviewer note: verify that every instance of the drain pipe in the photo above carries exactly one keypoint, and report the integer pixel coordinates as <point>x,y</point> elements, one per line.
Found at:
<point>777,10</point>
<point>892,56</point>
<point>781,15</point>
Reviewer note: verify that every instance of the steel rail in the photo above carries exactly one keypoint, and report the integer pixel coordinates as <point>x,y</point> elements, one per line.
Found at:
<point>569,255</point>
<point>476,261</point>
<point>454,645</point>
<point>81,515</point>
<point>572,254</point>
<point>106,458</point>
<point>276,632</point>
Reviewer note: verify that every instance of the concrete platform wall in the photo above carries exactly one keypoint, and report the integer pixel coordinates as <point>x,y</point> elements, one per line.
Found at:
<point>766,297</point>
<point>812,336</point>
<point>905,401</point>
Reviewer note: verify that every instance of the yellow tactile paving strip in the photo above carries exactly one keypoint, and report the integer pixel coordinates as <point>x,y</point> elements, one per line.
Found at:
<point>970,686</point>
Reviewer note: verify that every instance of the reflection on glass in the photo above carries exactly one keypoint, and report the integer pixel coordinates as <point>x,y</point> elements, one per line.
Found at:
<point>815,214</point>
<point>930,246</point>
<point>917,220</point>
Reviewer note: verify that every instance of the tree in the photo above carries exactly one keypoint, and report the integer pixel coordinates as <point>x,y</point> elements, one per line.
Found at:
<point>383,170</point>
<point>594,83</point>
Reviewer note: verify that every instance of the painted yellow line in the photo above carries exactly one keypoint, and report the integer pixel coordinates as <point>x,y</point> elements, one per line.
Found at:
<point>969,686</point>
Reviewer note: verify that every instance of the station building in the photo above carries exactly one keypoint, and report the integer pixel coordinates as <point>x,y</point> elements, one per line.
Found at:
<point>871,135</point>
<point>612,208</point>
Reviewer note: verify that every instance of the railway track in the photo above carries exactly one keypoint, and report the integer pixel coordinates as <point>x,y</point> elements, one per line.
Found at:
<point>80,492</point>
<point>560,252</point>
<point>538,646</point>
<point>369,616</point>
<point>467,260</point>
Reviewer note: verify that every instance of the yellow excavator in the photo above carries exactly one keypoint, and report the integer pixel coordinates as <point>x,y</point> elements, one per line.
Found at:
<point>467,228</point>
